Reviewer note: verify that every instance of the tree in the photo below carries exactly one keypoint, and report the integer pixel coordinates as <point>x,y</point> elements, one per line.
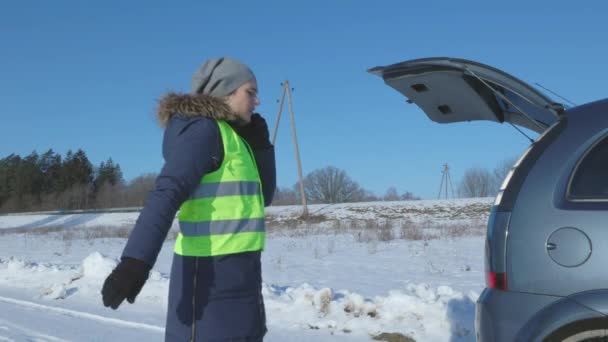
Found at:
<point>108,172</point>
<point>477,182</point>
<point>391,194</point>
<point>109,196</point>
<point>77,169</point>
<point>29,182</point>
<point>286,196</point>
<point>408,196</point>
<point>50,166</point>
<point>77,181</point>
<point>331,185</point>
<point>137,190</point>
<point>9,167</point>
<point>77,196</point>
<point>501,170</point>
<point>368,196</point>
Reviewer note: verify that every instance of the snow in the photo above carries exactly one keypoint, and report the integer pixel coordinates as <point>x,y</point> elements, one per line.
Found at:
<point>324,280</point>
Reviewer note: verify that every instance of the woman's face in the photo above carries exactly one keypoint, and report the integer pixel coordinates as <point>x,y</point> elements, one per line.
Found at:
<point>244,100</point>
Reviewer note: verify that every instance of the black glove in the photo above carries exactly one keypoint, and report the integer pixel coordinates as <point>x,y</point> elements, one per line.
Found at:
<point>125,281</point>
<point>255,132</point>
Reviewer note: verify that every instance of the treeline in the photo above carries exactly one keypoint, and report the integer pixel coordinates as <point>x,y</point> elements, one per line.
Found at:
<point>481,182</point>
<point>333,185</point>
<point>50,181</point>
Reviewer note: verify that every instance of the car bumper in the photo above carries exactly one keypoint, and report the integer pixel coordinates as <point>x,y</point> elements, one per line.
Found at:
<point>500,315</point>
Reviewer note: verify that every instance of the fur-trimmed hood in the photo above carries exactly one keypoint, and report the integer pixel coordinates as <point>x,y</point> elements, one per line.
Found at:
<point>191,106</point>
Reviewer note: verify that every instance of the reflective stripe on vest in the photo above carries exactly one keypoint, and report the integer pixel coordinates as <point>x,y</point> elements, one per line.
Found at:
<point>225,213</point>
<point>226,189</point>
<point>221,227</point>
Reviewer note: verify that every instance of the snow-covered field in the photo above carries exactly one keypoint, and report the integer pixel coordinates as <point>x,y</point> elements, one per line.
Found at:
<point>351,272</point>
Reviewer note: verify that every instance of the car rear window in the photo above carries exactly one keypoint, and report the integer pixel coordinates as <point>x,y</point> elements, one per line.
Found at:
<point>509,195</point>
<point>589,180</point>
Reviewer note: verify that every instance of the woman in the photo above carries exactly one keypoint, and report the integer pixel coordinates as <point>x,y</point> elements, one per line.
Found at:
<point>219,172</point>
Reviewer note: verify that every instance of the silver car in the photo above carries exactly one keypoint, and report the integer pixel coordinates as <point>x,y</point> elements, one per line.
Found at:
<point>546,255</point>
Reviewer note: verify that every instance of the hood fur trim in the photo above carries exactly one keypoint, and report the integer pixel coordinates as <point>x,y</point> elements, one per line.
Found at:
<point>191,106</point>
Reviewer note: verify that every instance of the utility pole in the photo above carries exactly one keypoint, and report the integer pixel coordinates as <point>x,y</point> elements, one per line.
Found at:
<point>287,90</point>
<point>447,180</point>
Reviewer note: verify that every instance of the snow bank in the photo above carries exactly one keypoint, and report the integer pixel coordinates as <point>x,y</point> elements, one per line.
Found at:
<point>419,311</point>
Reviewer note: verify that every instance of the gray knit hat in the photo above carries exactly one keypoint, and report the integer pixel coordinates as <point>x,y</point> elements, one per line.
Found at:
<point>220,77</point>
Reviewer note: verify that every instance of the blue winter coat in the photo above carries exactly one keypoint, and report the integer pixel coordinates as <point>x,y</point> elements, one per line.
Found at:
<point>210,298</point>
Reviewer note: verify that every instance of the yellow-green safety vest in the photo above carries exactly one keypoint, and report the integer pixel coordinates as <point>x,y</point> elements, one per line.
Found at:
<point>225,214</point>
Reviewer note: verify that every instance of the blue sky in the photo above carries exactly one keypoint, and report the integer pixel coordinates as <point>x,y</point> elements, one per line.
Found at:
<point>79,74</point>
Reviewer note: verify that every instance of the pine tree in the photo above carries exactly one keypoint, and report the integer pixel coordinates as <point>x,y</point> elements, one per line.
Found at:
<point>77,179</point>
<point>117,176</point>
<point>8,173</point>
<point>50,166</point>
<point>29,182</point>
<point>109,185</point>
<point>83,168</point>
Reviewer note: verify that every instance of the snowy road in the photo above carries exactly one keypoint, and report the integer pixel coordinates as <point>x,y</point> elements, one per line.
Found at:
<point>27,321</point>
<point>22,320</point>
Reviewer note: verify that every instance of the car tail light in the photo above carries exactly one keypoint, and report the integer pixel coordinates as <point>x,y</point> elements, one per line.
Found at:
<point>497,281</point>
<point>495,250</point>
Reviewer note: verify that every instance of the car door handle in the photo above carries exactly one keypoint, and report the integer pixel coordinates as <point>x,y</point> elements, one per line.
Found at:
<point>551,246</point>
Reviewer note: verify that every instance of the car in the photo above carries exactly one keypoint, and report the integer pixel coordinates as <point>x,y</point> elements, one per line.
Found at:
<point>546,248</point>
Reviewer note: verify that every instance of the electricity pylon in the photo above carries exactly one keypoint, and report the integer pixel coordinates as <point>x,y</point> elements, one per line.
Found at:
<point>447,180</point>
<point>287,89</point>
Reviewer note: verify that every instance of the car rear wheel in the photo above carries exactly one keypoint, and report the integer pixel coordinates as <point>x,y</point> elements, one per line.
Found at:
<point>600,335</point>
<point>591,330</point>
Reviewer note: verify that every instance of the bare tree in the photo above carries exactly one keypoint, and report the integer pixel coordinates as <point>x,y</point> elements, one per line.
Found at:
<point>137,190</point>
<point>408,196</point>
<point>110,196</point>
<point>369,196</point>
<point>285,196</point>
<point>477,182</point>
<point>501,170</point>
<point>77,196</point>
<point>331,185</point>
<point>391,194</point>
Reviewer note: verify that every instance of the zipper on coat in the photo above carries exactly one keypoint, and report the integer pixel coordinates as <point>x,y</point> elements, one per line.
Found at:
<point>194,300</point>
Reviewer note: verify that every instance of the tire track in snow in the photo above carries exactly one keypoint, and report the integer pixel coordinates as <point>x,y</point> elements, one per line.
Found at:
<point>17,331</point>
<point>80,314</point>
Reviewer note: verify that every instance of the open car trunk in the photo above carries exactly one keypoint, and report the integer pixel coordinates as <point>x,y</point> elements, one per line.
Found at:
<point>454,90</point>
